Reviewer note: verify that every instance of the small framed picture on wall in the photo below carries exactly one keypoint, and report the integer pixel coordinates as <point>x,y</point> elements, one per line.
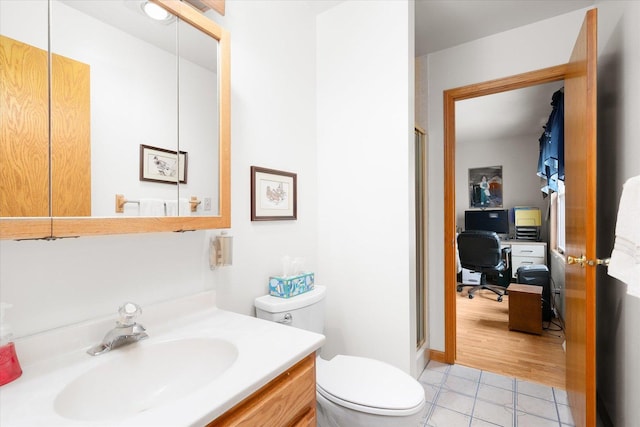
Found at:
<point>273,195</point>
<point>161,165</point>
<point>485,187</point>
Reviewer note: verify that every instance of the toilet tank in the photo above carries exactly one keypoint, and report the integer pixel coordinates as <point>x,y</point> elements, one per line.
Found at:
<point>304,311</point>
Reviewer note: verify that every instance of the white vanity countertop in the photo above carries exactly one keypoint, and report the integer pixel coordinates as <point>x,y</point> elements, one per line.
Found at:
<point>265,350</point>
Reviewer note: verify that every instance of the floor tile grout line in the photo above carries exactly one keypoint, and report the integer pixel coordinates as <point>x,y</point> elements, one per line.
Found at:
<point>436,396</point>
<point>555,400</point>
<point>433,405</point>
<point>475,398</point>
<point>555,403</point>
<point>514,385</point>
<point>475,394</point>
<point>478,382</point>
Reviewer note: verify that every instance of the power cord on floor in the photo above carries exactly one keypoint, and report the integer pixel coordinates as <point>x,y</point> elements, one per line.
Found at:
<point>559,327</point>
<point>548,327</point>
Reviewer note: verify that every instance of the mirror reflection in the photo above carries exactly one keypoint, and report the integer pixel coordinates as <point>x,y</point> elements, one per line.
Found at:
<point>134,108</point>
<point>198,123</point>
<point>24,107</point>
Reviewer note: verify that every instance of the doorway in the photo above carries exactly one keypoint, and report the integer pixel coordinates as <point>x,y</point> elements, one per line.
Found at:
<point>580,75</point>
<point>498,135</point>
<point>532,78</point>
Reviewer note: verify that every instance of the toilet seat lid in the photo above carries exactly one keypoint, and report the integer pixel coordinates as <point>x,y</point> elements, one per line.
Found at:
<point>369,385</point>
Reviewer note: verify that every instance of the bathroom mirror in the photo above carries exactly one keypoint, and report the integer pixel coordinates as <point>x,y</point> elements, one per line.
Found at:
<point>127,92</point>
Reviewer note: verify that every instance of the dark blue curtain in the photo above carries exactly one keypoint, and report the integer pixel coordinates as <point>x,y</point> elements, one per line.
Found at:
<point>551,160</point>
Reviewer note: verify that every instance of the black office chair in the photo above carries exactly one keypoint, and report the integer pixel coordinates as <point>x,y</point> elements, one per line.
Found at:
<point>480,251</point>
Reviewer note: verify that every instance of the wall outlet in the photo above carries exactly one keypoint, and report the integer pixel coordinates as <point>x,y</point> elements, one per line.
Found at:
<point>207,203</point>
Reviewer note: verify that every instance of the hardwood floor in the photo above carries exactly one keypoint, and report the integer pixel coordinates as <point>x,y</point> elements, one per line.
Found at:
<point>484,341</point>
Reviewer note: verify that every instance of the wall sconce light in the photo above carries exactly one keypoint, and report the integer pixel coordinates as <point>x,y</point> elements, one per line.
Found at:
<point>221,251</point>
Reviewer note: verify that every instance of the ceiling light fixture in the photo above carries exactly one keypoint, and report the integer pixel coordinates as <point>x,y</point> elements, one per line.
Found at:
<point>154,11</point>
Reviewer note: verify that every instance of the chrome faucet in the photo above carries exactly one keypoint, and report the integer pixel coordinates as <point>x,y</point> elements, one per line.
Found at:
<point>127,331</point>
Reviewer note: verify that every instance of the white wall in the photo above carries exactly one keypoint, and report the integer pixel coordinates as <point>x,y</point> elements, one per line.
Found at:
<point>273,124</point>
<point>518,157</point>
<point>527,48</point>
<point>356,178</point>
<point>365,121</point>
<point>61,282</point>
<point>618,315</point>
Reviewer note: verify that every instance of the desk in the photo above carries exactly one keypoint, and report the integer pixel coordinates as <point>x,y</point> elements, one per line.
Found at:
<point>525,252</point>
<point>525,308</point>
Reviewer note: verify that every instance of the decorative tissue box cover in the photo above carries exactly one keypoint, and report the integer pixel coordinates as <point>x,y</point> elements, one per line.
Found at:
<point>285,287</point>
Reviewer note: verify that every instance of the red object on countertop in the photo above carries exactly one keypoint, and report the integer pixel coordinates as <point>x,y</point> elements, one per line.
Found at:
<point>9,365</point>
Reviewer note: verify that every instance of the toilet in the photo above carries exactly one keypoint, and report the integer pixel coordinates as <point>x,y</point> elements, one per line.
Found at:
<point>350,391</point>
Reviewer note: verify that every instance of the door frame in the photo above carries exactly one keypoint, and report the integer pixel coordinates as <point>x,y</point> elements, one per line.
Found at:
<point>518,81</point>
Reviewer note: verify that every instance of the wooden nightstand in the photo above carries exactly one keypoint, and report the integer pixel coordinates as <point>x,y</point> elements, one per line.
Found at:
<point>525,308</point>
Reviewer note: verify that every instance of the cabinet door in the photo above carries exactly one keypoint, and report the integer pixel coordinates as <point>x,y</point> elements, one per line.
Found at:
<point>288,400</point>
<point>24,130</point>
<point>308,419</point>
<point>527,250</point>
<point>527,253</point>
<point>70,137</point>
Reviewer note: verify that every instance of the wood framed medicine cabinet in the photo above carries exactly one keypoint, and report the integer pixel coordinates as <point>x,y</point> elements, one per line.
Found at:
<point>55,156</point>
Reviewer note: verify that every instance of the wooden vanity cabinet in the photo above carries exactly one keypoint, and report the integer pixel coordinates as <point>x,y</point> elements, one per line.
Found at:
<point>287,401</point>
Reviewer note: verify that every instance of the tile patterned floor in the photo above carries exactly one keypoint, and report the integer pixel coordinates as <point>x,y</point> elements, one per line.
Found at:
<point>459,396</point>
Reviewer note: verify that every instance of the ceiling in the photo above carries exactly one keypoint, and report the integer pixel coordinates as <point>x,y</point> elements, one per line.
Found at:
<point>441,24</point>
<point>505,116</point>
<point>127,16</point>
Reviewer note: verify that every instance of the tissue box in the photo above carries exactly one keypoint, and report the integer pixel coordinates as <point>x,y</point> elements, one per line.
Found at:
<point>285,287</point>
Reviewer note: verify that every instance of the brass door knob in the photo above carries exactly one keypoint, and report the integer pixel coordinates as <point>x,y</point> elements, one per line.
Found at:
<point>582,260</point>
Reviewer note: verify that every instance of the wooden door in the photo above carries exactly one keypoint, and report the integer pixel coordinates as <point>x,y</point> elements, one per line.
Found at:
<point>24,130</point>
<point>580,161</point>
<point>70,137</point>
<point>37,158</point>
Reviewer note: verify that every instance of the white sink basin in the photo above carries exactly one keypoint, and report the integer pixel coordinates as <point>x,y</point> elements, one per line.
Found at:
<point>145,375</point>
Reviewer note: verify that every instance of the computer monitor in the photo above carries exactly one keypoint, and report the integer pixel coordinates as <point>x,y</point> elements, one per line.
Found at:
<point>488,220</point>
